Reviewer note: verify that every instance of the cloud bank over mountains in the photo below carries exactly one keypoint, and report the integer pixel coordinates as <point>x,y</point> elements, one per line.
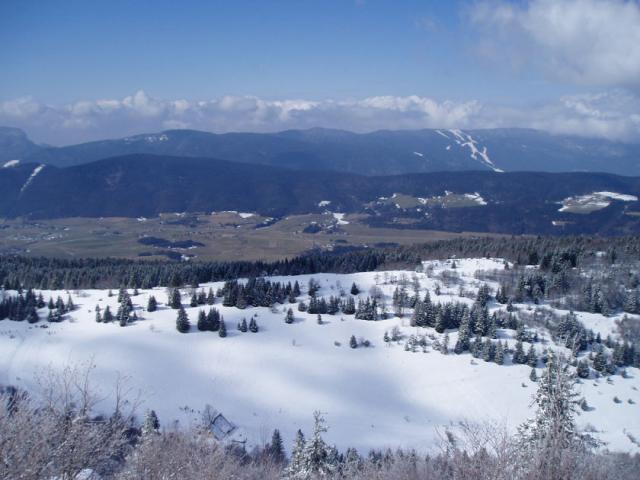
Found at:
<point>612,114</point>
<point>578,44</point>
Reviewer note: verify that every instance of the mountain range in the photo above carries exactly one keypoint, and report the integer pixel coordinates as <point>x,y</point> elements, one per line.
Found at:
<point>382,152</point>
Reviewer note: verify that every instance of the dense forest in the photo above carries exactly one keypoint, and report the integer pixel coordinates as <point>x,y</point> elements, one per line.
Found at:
<point>51,273</point>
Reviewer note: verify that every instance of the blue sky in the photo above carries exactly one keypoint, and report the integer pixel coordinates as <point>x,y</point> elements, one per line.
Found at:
<point>67,51</point>
<point>495,54</point>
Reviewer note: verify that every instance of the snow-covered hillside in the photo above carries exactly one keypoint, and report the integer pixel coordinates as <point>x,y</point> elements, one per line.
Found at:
<point>377,396</point>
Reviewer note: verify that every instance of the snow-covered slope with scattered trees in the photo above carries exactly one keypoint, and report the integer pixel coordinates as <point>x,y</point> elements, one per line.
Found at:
<point>384,382</point>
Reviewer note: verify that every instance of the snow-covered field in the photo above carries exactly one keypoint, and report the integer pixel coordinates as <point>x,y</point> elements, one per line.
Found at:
<point>371,397</point>
<point>593,201</point>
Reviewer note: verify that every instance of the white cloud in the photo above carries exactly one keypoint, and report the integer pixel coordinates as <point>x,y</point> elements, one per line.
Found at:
<point>586,42</point>
<point>610,114</point>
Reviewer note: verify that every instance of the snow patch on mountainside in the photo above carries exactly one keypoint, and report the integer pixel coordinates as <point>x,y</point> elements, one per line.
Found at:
<point>418,154</point>
<point>465,140</point>
<point>340,218</point>
<point>476,197</point>
<point>33,175</point>
<point>592,202</point>
<point>11,163</point>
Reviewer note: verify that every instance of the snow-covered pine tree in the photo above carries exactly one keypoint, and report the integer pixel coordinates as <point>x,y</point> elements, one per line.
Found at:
<point>152,304</point>
<point>253,325</point>
<point>582,370</point>
<point>296,469</point>
<point>32,315</point>
<point>202,324</point>
<point>289,316</point>
<point>211,299</point>
<point>532,357</point>
<point>151,424</point>
<point>40,302</point>
<point>544,439</point>
<point>107,316</point>
<point>488,350</point>
<point>518,353</point>
<point>222,331</point>
<point>242,326</point>
<point>175,299</point>
<point>499,355</point>
<point>182,322</point>
<point>275,449</point>
<point>124,310</point>
<point>353,343</point>
<point>317,459</point>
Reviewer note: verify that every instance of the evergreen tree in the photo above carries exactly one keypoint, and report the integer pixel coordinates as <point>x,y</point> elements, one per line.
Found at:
<point>211,299</point>
<point>533,376</point>
<point>349,307</point>
<point>175,299</point>
<point>253,325</point>
<point>213,320</point>
<point>476,346</point>
<point>297,466</point>
<point>553,428</point>
<point>354,289</point>
<point>353,343</point>
<point>194,300</point>
<point>107,317</point>
<point>182,322</point>
<point>152,304</point>
<point>532,358</point>
<point>600,360</point>
<point>32,316</point>
<point>124,311</point>
<point>488,351</point>
<point>222,331</point>
<point>289,316</point>
<point>275,449</point>
<point>202,323</point>
<point>242,326</point>
<point>70,305</point>
<point>582,369</point>
<point>499,355</point>
<point>518,354</point>
<point>445,345</point>
<point>98,314</point>
<point>316,460</point>
<point>151,424</point>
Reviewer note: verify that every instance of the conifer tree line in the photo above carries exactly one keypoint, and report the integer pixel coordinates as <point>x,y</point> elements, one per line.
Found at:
<point>56,274</point>
<point>257,292</point>
<point>24,307</point>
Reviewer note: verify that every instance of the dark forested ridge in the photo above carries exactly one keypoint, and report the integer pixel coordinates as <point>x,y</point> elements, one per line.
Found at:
<point>146,185</point>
